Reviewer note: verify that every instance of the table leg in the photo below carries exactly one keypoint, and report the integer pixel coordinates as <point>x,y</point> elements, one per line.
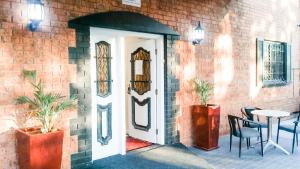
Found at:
<point>270,142</point>
<point>270,126</point>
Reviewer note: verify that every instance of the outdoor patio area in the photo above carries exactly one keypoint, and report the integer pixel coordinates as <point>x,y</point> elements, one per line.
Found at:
<point>179,157</point>
<point>221,158</point>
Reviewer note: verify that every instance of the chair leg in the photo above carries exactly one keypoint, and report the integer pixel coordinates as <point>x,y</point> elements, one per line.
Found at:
<point>240,147</point>
<point>261,145</point>
<point>294,137</point>
<point>247,140</point>
<point>258,131</point>
<point>277,140</point>
<point>277,136</point>
<point>297,139</point>
<point>230,142</point>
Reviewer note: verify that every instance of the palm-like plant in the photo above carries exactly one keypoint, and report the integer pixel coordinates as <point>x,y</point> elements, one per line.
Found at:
<point>203,89</point>
<point>46,107</point>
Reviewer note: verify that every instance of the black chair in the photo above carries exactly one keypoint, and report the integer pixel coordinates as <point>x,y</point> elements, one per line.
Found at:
<point>291,128</point>
<point>244,132</point>
<point>246,113</point>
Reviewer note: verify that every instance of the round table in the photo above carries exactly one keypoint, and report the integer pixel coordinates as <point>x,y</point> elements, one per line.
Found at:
<point>270,114</point>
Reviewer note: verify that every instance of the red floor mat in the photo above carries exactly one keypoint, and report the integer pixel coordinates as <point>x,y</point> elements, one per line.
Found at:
<point>133,143</point>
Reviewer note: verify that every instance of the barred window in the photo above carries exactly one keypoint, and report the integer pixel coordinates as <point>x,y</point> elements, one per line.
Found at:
<point>273,63</point>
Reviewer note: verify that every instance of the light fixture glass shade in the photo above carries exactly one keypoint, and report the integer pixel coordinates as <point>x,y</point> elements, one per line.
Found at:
<point>198,35</point>
<point>35,14</point>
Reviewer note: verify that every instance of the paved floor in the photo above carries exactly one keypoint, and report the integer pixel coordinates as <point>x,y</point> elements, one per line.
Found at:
<point>179,157</point>
<point>251,159</point>
<point>160,157</point>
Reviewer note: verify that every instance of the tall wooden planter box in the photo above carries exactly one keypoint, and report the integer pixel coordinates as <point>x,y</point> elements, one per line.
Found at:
<point>205,126</point>
<point>39,151</point>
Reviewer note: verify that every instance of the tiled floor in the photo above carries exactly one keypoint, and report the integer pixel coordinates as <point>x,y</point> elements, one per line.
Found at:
<point>251,159</point>
<point>174,156</point>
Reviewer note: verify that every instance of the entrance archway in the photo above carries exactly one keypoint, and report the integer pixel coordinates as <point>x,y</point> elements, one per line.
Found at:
<point>80,55</point>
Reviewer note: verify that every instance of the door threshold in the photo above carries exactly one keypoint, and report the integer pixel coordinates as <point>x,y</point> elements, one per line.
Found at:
<point>144,149</point>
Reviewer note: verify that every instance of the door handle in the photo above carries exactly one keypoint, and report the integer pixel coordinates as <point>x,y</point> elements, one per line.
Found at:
<point>129,89</point>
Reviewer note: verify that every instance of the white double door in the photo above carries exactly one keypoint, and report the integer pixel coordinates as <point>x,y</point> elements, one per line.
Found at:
<point>124,86</point>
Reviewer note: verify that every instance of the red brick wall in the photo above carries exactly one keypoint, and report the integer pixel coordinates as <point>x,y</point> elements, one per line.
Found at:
<point>226,57</point>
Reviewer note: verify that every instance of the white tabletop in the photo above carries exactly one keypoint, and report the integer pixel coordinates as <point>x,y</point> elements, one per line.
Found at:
<point>271,113</point>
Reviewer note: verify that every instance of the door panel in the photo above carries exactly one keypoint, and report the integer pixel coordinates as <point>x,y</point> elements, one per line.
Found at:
<point>141,114</point>
<point>105,114</point>
<point>142,98</point>
<point>104,133</point>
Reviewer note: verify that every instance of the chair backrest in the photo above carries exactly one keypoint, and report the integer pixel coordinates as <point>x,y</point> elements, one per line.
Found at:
<point>234,125</point>
<point>246,111</point>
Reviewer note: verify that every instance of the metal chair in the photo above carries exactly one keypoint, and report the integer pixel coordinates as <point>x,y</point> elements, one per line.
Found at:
<point>291,128</point>
<point>243,132</point>
<point>246,113</point>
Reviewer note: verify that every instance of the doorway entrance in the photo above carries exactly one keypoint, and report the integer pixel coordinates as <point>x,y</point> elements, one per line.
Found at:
<point>127,74</point>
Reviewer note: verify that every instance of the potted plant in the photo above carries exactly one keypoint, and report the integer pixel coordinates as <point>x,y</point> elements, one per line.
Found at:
<point>41,147</point>
<point>205,118</point>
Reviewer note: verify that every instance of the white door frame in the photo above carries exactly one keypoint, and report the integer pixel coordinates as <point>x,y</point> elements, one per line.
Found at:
<point>122,90</point>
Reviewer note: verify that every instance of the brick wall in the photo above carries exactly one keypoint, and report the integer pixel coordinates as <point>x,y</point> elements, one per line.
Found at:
<point>226,58</point>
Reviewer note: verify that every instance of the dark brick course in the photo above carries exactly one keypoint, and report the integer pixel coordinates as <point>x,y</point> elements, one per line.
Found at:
<point>80,55</point>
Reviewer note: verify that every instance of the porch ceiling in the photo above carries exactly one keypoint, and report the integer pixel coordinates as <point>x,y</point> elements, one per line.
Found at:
<point>128,21</point>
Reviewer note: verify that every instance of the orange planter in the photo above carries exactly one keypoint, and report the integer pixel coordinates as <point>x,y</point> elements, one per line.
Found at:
<point>39,151</point>
<point>205,126</point>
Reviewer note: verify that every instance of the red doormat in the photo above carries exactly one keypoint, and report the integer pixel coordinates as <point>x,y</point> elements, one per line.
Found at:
<point>133,143</point>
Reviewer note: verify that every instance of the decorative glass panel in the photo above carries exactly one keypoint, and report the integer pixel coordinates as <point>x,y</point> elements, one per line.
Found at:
<point>104,131</point>
<point>103,62</point>
<point>274,62</point>
<point>140,71</point>
<point>138,108</point>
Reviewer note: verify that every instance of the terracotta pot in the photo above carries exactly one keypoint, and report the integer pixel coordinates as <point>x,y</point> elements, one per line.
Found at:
<point>39,151</point>
<point>205,126</point>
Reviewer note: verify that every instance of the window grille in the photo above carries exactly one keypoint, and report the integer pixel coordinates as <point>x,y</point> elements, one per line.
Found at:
<point>274,59</point>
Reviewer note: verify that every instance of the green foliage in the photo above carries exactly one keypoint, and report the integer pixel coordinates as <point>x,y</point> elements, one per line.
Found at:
<point>29,74</point>
<point>203,89</point>
<point>46,107</point>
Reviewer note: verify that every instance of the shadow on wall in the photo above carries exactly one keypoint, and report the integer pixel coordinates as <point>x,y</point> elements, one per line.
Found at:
<point>15,119</point>
<point>271,26</point>
<point>9,122</point>
<point>8,152</point>
<point>223,60</point>
<point>185,72</point>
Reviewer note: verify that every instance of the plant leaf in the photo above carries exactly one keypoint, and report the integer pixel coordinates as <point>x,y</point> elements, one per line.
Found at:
<point>29,74</point>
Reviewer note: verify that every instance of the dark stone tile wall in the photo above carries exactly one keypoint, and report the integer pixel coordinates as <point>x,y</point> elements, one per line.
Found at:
<point>81,126</point>
<point>171,87</point>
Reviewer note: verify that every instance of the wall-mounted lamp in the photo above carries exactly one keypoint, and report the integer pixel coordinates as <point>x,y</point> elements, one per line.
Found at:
<point>35,14</point>
<point>198,34</point>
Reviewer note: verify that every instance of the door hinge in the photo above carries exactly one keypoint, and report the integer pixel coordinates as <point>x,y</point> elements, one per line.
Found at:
<point>155,51</point>
<point>156,91</point>
<point>156,131</point>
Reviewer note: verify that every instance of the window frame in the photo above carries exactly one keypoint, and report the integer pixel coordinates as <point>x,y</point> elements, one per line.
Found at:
<point>260,52</point>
